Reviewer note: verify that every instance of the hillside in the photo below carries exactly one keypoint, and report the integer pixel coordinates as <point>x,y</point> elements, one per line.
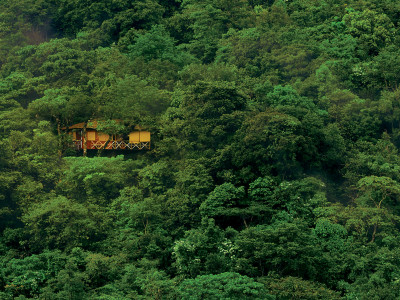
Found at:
<point>274,167</point>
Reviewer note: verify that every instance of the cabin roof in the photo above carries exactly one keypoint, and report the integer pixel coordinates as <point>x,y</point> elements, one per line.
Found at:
<point>93,125</point>
<point>77,126</point>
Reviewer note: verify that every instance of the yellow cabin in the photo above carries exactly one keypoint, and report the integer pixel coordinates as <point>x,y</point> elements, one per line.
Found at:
<point>88,137</point>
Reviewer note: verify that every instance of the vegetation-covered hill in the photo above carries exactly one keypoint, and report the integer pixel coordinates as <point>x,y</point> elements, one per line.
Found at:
<point>274,171</point>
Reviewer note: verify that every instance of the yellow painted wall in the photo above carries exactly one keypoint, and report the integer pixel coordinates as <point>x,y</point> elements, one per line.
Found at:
<point>144,136</point>
<point>139,136</point>
<point>134,137</point>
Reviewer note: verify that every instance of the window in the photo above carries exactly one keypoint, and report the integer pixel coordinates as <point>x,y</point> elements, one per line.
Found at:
<point>91,135</point>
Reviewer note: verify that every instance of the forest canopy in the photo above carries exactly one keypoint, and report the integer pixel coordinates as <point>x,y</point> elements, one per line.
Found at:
<point>274,167</point>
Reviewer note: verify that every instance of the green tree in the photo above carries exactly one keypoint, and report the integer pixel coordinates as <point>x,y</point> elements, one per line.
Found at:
<point>97,180</point>
<point>75,16</point>
<point>28,276</point>
<point>60,223</point>
<point>284,248</point>
<point>206,115</point>
<point>380,195</point>
<point>373,30</point>
<point>297,288</point>
<point>203,251</point>
<point>157,44</point>
<point>227,285</point>
<point>208,20</point>
<point>225,200</point>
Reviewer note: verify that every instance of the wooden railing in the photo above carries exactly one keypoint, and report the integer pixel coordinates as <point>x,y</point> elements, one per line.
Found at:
<point>112,145</point>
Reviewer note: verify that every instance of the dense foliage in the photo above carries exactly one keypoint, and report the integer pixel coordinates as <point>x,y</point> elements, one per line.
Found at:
<point>274,171</point>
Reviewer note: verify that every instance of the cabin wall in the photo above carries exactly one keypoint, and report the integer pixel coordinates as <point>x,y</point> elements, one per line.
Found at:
<point>139,137</point>
<point>98,140</point>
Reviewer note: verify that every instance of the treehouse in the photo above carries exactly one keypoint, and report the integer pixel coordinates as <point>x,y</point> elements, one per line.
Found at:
<point>86,136</point>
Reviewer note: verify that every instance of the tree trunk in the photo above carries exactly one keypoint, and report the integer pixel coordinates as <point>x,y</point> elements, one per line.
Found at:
<point>105,145</point>
<point>374,232</point>
<point>60,140</point>
<point>84,145</point>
